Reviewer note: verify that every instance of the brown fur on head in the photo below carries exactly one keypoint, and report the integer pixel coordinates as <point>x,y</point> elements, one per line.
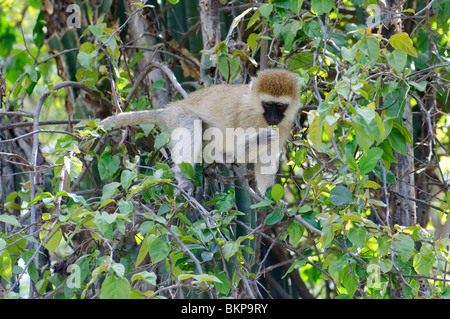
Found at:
<point>276,83</point>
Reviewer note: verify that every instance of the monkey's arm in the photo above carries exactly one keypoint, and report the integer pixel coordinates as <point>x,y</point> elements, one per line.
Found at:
<point>134,118</point>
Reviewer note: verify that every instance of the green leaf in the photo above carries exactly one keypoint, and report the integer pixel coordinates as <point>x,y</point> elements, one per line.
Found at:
<point>322,6</point>
<point>300,156</point>
<point>108,165</point>
<point>397,141</point>
<point>357,235</point>
<point>108,191</point>
<point>349,283</point>
<point>315,131</point>
<point>53,240</point>
<point>162,139</point>
<point>263,203</point>
<point>10,219</point>
<point>277,192</point>
<point>424,261</point>
<point>368,162</point>
<point>383,245</point>
<point>373,48</point>
<point>327,235</point>
<point>397,59</point>
<point>295,231</point>
<point>298,264</point>
<point>125,207</point>
<point>158,85</point>
<point>385,265</point>
<point>187,170</point>
<point>143,251</point>
<point>159,249</point>
<point>266,10</point>
<point>340,195</point>
<point>421,86</point>
<point>115,288</point>
<point>86,60</point>
<point>274,217</point>
<point>224,287</point>
<point>229,249</point>
<point>127,178</point>
<point>403,41</point>
<point>5,266</point>
<point>367,114</point>
<point>148,277</point>
<point>404,246</point>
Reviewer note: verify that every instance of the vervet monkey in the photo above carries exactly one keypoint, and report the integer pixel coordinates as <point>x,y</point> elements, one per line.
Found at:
<point>231,121</point>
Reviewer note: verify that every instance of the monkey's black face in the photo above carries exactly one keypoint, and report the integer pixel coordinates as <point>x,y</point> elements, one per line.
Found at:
<point>274,112</point>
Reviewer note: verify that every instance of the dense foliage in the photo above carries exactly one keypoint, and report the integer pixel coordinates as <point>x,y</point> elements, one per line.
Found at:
<point>90,213</point>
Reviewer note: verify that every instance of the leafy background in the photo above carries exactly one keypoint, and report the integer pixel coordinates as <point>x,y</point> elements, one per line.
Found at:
<point>361,201</point>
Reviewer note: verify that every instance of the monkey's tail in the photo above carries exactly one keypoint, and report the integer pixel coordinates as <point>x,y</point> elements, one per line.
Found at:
<point>134,118</point>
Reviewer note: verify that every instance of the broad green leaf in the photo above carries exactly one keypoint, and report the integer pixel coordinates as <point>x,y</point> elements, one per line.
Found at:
<point>187,170</point>
<point>53,240</point>
<point>159,249</point>
<point>368,162</point>
<point>327,235</point>
<point>315,130</point>
<point>148,277</point>
<point>352,217</point>
<point>10,219</point>
<point>115,288</point>
<point>108,165</point>
<point>424,261</point>
<point>397,141</point>
<point>367,114</point>
<point>206,277</point>
<point>229,249</point>
<point>371,184</point>
<point>397,59</point>
<point>266,10</point>
<point>86,60</point>
<point>274,217</point>
<point>125,207</point>
<point>357,236</point>
<point>385,265</point>
<point>295,231</point>
<point>404,246</point>
<point>322,6</point>
<point>126,178</point>
<point>5,266</point>
<point>349,283</point>
<point>340,195</point>
<point>224,286</point>
<point>300,156</point>
<point>298,264</point>
<point>158,85</point>
<point>363,139</point>
<point>143,251</point>
<point>277,192</point>
<point>373,48</point>
<point>421,86</point>
<point>162,139</point>
<point>119,269</point>
<point>109,190</point>
<point>403,41</point>
<point>263,203</point>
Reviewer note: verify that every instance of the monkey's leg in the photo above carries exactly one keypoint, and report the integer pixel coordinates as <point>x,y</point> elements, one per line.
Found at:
<point>265,175</point>
<point>186,141</point>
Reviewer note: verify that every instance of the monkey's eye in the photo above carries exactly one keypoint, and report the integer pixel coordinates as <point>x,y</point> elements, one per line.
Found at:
<point>281,106</point>
<point>275,105</point>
